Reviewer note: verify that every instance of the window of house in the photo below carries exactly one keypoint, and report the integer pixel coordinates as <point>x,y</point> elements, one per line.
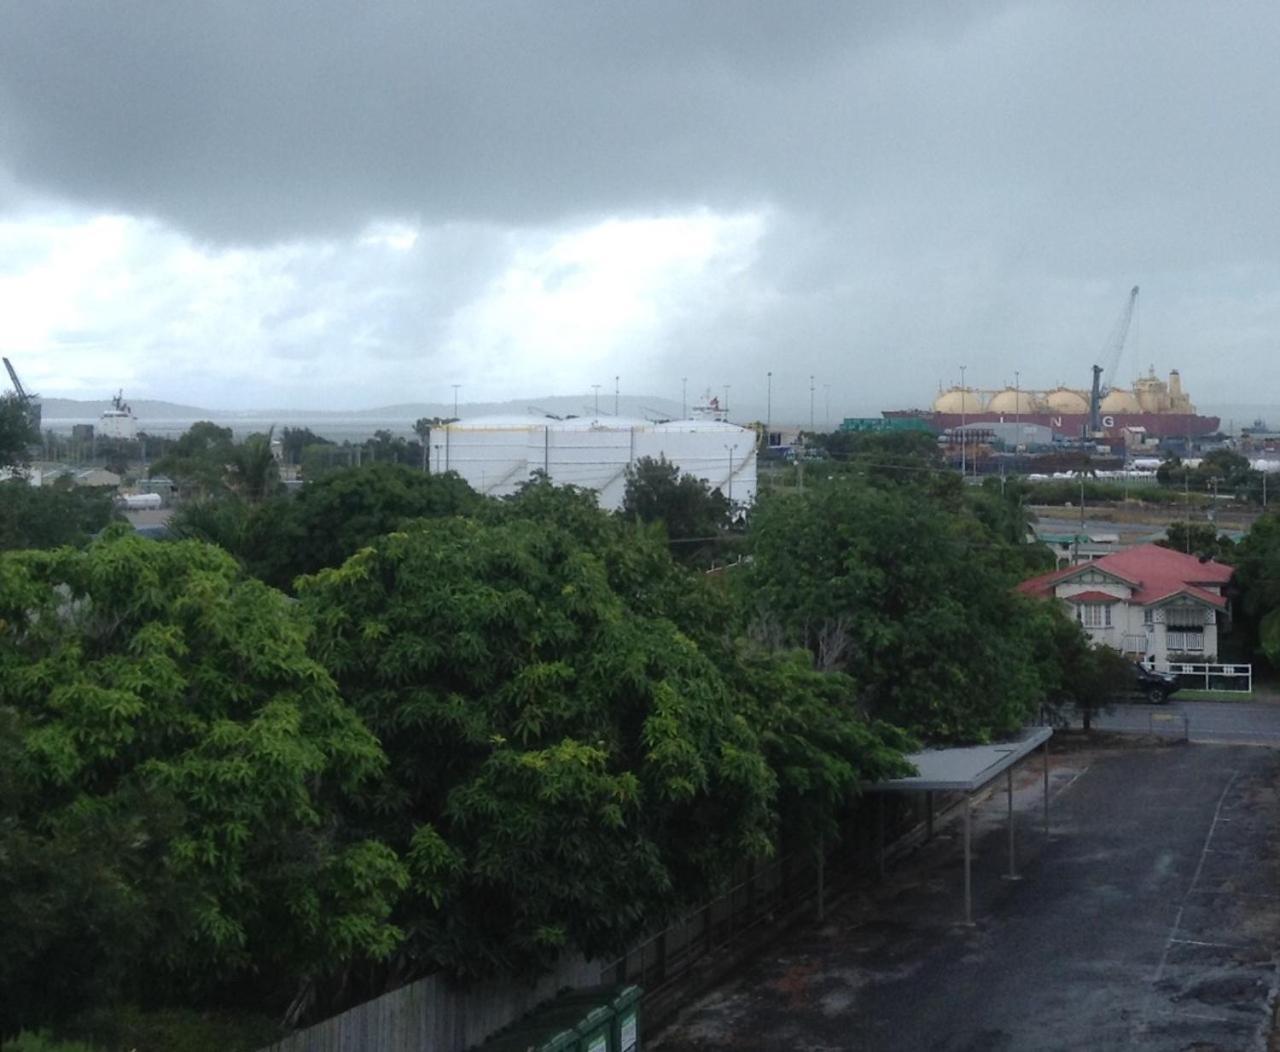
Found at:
<point>1148,616</point>
<point>1095,615</point>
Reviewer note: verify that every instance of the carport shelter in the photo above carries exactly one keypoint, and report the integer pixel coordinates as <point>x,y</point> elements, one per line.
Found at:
<point>969,770</point>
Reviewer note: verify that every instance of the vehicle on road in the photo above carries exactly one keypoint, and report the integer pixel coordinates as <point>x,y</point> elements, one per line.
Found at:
<point>1152,686</point>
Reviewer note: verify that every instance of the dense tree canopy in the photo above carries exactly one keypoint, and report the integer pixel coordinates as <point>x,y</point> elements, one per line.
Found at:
<point>329,520</point>
<point>171,766</point>
<point>657,491</point>
<point>915,601</point>
<point>16,432</point>
<point>562,768</point>
<point>50,516</point>
<point>1257,581</point>
<point>1198,538</point>
<point>197,461</point>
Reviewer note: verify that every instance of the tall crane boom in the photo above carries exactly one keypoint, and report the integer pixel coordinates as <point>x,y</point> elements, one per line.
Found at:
<point>17,384</point>
<point>1114,346</point>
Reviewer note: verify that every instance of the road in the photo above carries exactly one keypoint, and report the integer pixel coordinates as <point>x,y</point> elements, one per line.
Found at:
<point>1148,921</point>
<point>1246,722</point>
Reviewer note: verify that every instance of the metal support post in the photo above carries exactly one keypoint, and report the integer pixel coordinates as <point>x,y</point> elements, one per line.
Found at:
<point>1013,863</point>
<point>881,852</point>
<point>822,861</point>
<point>1045,747</point>
<point>968,864</point>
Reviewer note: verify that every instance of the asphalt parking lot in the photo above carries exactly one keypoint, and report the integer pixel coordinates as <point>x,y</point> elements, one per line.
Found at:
<point>1253,722</point>
<point>1150,919</point>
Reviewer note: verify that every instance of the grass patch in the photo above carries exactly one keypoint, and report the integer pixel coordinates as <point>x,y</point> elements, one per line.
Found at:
<point>125,1028</point>
<point>1213,695</point>
<point>40,1041</point>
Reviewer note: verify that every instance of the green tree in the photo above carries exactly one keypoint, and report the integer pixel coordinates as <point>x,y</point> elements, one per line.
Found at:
<point>1076,676</point>
<point>295,440</point>
<point>16,432</point>
<point>329,520</point>
<point>173,771</point>
<point>251,471</point>
<point>564,771</point>
<point>912,597</point>
<point>51,516</point>
<point>1256,610</point>
<point>333,517</point>
<point>1198,538</point>
<point>693,513</point>
<point>814,737</point>
<point>198,460</point>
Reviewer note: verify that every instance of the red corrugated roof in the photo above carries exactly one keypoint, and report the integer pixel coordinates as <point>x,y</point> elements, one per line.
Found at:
<point>1093,597</point>
<point>1155,573</point>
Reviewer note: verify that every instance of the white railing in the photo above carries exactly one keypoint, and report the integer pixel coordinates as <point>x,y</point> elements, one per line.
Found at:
<point>1238,678</point>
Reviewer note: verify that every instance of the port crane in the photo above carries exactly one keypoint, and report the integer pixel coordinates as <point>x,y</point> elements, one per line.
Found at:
<point>30,401</point>
<point>1104,376</point>
<point>17,384</point>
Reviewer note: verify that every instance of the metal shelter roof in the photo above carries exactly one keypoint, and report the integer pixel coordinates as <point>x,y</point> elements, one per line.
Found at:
<point>964,769</point>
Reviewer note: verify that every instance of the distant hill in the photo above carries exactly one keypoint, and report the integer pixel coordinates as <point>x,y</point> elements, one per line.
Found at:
<point>71,408</point>
<point>170,418</point>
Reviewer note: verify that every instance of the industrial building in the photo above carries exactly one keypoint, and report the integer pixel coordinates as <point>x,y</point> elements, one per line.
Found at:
<point>495,454</point>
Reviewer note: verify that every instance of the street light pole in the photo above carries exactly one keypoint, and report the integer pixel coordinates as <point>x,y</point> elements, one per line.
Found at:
<point>455,400</point>
<point>768,410</point>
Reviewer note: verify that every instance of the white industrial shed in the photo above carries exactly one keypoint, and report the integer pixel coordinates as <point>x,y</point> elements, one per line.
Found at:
<point>495,454</point>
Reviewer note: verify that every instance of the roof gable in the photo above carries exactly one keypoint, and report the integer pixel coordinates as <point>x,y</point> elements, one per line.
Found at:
<point>1153,572</point>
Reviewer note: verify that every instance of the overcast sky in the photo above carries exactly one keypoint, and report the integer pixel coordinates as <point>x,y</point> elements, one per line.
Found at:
<point>337,205</point>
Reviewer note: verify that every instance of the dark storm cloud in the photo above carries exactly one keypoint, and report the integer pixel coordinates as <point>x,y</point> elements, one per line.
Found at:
<point>250,121</point>
<point>944,183</point>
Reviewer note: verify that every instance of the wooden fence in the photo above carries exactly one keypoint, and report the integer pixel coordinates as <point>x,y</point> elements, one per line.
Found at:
<point>433,1016</point>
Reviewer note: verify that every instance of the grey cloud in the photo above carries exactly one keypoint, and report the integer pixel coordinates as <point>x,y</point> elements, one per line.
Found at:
<point>968,181</point>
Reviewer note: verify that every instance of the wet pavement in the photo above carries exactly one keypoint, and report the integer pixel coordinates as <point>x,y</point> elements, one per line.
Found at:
<point>1150,919</point>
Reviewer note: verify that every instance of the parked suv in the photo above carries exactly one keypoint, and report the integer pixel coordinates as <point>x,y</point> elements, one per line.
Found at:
<point>1155,687</point>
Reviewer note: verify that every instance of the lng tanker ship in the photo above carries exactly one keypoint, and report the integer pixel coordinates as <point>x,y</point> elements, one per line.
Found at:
<point>1162,409</point>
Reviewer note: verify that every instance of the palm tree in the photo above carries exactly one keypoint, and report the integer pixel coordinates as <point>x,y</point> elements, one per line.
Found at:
<point>252,472</point>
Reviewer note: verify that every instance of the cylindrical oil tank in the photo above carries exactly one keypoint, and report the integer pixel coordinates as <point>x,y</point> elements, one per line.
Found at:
<point>496,454</point>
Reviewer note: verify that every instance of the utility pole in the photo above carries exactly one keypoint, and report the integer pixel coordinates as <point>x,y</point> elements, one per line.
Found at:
<point>1017,409</point>
<point>615,396</point>
<point>730,483</point>
<point>726,401</point>
<point>455,400</point>
<point>811,402</point>
<point>684,398</point>
<point>1186,508</point>
<point>596,389</point>
<point>964,405</point>
<point>768,408</point>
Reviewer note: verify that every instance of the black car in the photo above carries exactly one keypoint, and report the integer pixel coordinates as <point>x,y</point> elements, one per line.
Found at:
<point>1153,686</point>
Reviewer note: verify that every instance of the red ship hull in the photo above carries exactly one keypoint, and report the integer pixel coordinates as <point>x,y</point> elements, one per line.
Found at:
<point>1073,425</point>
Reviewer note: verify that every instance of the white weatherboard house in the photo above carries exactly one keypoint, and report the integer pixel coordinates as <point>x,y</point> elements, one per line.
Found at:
<point>1149,602</point>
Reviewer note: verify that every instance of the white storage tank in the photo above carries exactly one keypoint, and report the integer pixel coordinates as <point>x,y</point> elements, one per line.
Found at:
<point>495,454</point>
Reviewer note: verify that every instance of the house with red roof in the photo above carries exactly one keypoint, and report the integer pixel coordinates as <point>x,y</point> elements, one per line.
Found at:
<point>1148,602</point>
